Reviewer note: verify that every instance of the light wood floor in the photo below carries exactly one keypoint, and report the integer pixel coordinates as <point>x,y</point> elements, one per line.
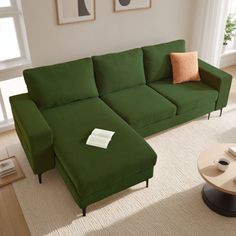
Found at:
<point>12,221</point>
<point>231,70</point>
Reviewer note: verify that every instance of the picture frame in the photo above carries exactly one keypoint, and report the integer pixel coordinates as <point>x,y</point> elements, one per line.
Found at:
<point>127,5</point>
<point>71,11</point>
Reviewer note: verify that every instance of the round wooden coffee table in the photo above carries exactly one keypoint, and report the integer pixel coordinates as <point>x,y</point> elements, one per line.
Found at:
<point>219,193</point>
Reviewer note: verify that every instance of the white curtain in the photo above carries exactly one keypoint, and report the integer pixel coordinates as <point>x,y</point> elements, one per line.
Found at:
<point>209,29</point>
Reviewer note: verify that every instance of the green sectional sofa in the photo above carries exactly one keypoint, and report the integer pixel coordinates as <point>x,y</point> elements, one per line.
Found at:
<point>130,93</point>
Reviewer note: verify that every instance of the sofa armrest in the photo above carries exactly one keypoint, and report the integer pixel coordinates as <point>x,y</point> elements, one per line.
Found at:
<point>34,133</point>
<point>217,79</point>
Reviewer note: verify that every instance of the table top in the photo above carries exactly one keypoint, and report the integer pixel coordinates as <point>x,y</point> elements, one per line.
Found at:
<point>223,181</point>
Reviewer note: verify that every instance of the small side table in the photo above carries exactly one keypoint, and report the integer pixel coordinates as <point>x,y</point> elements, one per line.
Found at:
<point>219,192</point>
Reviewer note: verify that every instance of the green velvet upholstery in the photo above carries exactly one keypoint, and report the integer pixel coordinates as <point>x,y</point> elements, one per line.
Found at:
<point>157,60</point>
<point>83,202</point>
<point>117,71</point>
<point>90,169</point>
<point>137,98</point>
<point>186,96</point>
<point>34,133</point>
<point>140,106</point>
<point>174,121</point>
<point>60,84</point>
<point>217,79</point>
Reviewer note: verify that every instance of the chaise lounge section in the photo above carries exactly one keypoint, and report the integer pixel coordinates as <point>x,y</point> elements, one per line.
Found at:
<point>94,173</point>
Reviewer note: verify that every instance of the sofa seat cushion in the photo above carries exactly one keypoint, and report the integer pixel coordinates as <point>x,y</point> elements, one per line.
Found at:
<point>140,106</point>
<point>186,96</point>
<point>93,169</point>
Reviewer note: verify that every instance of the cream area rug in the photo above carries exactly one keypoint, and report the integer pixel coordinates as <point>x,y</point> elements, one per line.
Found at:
<point>172,205</point>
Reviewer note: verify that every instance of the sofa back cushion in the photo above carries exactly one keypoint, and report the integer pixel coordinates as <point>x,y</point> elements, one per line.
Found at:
<point>157,59</point>
<point>60,84</point>
<point>118,71</point>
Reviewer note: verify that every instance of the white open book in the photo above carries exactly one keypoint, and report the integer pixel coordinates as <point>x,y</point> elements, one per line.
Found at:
<point>103,133</point>
<point>100,138</point>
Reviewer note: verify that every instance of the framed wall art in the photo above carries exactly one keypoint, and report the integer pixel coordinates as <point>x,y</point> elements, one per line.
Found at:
<point>125,5</point>
<point>70,11</point>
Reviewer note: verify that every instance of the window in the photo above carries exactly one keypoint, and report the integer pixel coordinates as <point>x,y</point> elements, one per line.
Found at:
<point>13,42</point>
<point>9,47</point>
<point>5,3</point>
<point>1,115</point>
<point>231,45</point>
<point>9,88</point>
<point>14,56</point>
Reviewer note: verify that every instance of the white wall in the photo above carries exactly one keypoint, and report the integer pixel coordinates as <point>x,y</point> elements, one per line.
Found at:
<point>52,43</point>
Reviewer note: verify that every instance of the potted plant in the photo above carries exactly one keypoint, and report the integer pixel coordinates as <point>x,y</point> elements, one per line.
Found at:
<point>230,28</point>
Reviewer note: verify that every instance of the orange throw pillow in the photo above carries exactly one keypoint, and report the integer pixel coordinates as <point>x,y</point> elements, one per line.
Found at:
<point>185,67</point>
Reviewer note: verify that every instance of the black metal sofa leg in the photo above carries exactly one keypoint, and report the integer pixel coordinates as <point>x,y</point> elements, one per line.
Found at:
<point>40,178</point>
<point>84,211</point>
<point>221,111</point>
<point>209,116</point>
